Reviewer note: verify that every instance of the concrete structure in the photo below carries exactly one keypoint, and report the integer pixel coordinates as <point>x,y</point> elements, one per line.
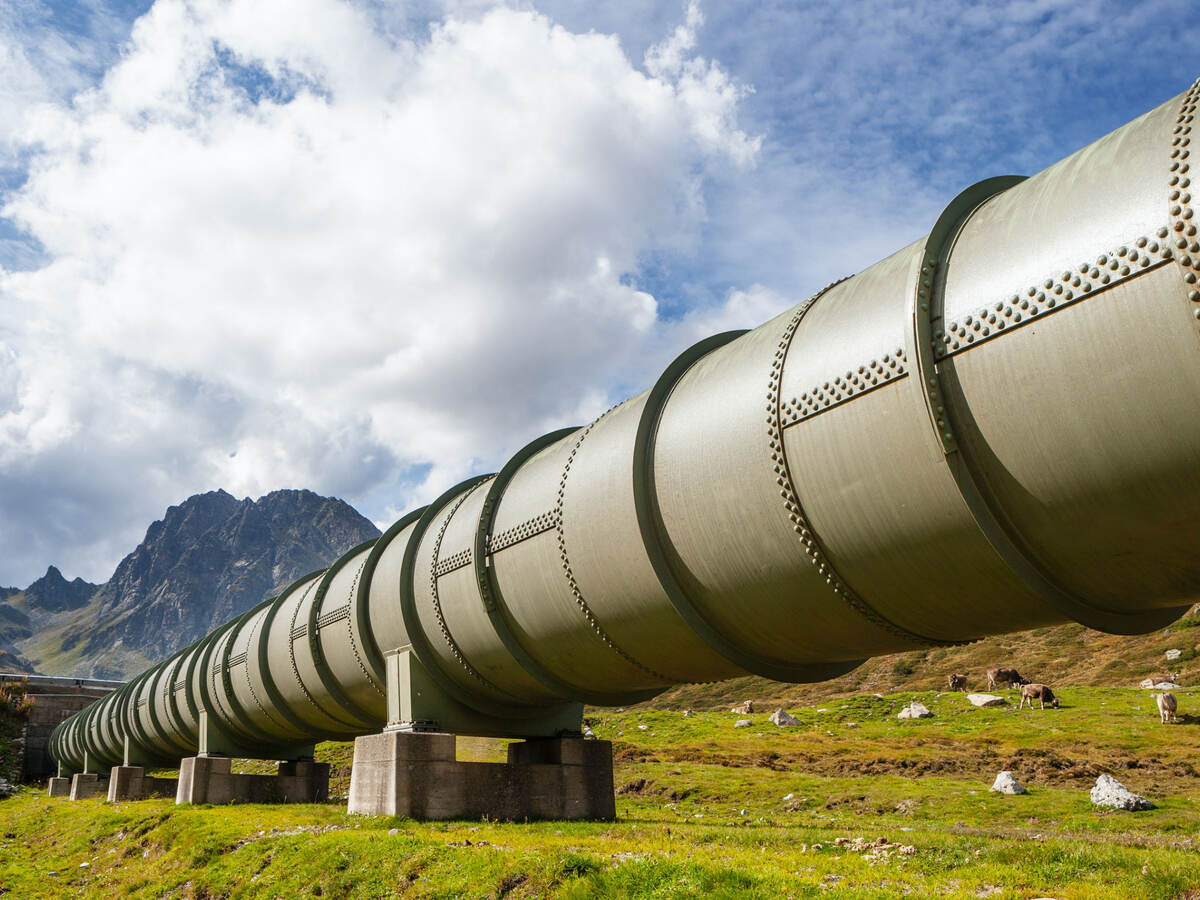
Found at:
<point>58,786</point>
<point>416,774</point>
<point>55,699</point>
<point>208,779</point>
<point>993,429</point>
<point>132,783</point>
<point>87,784</point>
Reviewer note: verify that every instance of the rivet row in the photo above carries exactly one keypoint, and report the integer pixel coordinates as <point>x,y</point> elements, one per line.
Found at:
<point>1056,291</point>
<point>538,524</point>
<point>783,476</point>
<point>854,382</point>
<point>576,593</point>
<point>1182,210</point>
<point>455,651</point>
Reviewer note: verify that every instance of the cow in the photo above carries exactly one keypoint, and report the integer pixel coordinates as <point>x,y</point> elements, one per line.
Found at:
<point>1168,678</point>
<point>744,708</point>
<point>1001,673</point>
<point>956,682</point>
<point>1038,692</point>
<point>1167,706</point>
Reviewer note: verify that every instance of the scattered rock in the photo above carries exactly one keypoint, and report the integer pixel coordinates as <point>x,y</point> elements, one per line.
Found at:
<point>687,713</point>
<point>1110,792</point>
<point>851,724</point>
<point>744,708</point>
<point>985,700</point>
<point>392,832</point>
<point>1006,783</point>
<point>1174,655</point>
<point>783,719</point>
<point>587,732</point>
<point>742,723</point>
<point>643,727</point>
<point>915,710</point>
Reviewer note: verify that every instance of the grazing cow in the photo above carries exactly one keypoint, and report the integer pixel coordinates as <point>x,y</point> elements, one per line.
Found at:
<point>1168,678</point>
<point>745,708</point>
<point>957,682</point>
<point>1038,692</point>
<point>1167,706</point>
<point>999,674</point>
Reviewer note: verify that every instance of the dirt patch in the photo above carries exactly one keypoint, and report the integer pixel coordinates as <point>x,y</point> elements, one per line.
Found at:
<point>1035,765</point>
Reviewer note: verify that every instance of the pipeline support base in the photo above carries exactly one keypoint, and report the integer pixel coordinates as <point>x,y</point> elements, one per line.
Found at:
<point>59,787</point>
<point>416,774</point>
<point>86,784</point>
<point>207,779</point>
<point>132,783</point>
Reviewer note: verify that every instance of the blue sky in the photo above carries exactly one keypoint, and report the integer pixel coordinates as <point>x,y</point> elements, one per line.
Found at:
<point>370,249</point>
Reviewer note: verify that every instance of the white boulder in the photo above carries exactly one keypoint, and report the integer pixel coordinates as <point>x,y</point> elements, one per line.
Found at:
<point>742,723</point>
<point>783,719</point>
<point>1006,783</point>
<point>1110,792</point>
<point>1174,655</point>
<point>915,710</point>
<point>985,700</point>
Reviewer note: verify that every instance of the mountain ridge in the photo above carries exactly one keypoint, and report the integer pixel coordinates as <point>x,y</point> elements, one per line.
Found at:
<point>208,559</point>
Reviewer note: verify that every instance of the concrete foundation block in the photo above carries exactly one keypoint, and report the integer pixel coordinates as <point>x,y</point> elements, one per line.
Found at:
<point>132,783</point>
<point>59,787</point>
<point>86,784</point>
<point>208,779</point>
<point>416,775</point>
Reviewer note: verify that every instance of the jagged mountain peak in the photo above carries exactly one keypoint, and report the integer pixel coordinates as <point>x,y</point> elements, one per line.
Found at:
<point>209,558</point>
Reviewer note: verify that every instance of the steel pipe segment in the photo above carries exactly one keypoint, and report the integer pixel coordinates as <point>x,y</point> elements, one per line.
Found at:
<point>993,429</point>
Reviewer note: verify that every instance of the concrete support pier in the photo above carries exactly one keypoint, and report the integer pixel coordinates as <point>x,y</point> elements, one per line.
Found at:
<point>207,779</point>
<point>86,784</point>
<point>415,774</point>
<point>132,783</point>
<point>59,787</point>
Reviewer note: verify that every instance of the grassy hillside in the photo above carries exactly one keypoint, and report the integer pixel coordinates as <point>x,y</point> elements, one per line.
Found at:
<point>1061,655</point>
<point>852,802</point>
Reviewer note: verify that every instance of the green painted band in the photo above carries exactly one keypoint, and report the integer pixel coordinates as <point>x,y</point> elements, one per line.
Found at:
<point>208,703</point>
<point>493,598</point>
<point>264,663</point>
<point>173,701</point>
<point>662,554</point>
<point>138,728</point>
<point>243,721</point>
<point>362,603</point>
<point>328,681</point>
<point>416,633</point>
<point>984,504</point>
<point>166,736</point>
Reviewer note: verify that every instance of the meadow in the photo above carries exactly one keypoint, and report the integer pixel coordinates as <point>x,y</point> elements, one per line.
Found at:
<point>851,802</point>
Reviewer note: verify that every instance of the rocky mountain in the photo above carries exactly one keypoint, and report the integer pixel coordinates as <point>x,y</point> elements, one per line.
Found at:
<point>207,560</point>
<point>52,593</point>
<point>23,612</point>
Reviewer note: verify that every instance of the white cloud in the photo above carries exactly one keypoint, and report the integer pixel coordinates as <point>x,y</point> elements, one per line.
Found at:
<point>289,249</point>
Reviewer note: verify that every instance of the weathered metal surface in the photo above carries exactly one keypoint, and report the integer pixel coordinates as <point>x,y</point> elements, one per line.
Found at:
<point>996,428</point>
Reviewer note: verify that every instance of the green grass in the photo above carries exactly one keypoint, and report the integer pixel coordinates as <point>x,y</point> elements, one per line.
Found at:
<point>704,810</point>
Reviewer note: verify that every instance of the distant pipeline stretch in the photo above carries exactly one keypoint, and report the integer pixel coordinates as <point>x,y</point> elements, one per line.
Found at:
<point>996,428</point>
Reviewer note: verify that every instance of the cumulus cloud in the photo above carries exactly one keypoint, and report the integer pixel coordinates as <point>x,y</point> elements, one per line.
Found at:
<point>285,247</point>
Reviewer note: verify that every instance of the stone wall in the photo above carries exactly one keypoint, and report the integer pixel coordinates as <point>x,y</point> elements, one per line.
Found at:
<point>54,699</point>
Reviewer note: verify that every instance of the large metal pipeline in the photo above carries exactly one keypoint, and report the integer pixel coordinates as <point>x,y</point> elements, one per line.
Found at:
<point>996,428</point>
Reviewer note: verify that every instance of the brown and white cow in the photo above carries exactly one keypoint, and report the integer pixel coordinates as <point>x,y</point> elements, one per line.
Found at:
<point>956,682</point>
<point>1002,673</point>
<point>1038,692</point>
<point>1168,706</point>
<point>1165,678</point>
